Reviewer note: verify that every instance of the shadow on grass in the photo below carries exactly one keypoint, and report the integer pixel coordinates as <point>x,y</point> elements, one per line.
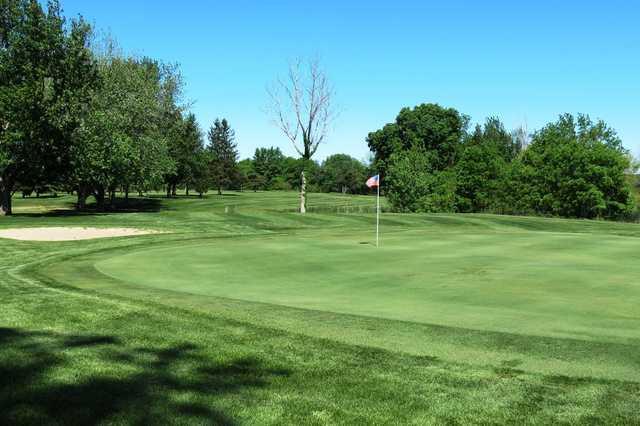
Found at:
<point>51,378</point>
<point>209,195</point>
<point>40,197</point>
<point>133,205</point>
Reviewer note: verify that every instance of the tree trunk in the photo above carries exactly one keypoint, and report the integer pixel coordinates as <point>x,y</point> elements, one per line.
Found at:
<point>168,191</point>
<point>186,190</point>
<point>83,193</point>
<point>219,189</point>
<point>99,194</point>
<point>126,194</point>
<point>6,187</point>
<point>174,192</point>
<point>303,193</point>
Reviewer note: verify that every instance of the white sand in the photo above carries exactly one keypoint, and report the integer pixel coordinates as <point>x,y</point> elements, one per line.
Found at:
<point>60,233</point>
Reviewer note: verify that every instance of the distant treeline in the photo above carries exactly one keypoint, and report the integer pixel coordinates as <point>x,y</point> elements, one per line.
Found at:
<point>269,169</point>
<point>574,167</point>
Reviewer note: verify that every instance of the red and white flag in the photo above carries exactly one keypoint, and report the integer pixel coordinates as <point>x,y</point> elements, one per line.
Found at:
<point>373,181</point>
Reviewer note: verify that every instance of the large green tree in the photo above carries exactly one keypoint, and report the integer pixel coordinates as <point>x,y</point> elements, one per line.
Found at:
<point>415,184</point>
<point>223,154</point>
<point>427,127</point>
<point>185,148</point>
<point>343,173</point>
<point>577,168</point>
<point>482,162</point>
<point>121,142</point>
<point>268,164</point>
<point>46,76</point>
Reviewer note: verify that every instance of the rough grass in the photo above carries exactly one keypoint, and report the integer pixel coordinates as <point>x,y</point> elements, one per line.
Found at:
<point>78,347</point>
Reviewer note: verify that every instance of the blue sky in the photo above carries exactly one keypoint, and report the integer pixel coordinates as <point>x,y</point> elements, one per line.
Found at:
<point>521,62</point>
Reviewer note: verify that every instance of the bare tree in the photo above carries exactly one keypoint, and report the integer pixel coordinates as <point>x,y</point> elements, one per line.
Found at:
<point>521,136</point>
<point>301,106</point>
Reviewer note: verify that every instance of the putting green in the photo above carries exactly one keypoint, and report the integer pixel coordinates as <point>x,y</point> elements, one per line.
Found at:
<point>538,283</point>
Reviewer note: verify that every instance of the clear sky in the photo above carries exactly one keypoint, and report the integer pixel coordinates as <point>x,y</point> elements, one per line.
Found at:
<point>522,62</point>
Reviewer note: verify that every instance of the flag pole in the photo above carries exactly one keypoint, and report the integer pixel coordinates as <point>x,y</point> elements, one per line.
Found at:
<point>378,216</point>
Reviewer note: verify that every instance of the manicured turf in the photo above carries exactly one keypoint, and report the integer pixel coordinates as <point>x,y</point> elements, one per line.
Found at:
<point>247,312</point>
<point>514,282</point>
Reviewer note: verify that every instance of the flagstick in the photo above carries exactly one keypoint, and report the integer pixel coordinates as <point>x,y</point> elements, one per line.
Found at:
<point>378,217</point>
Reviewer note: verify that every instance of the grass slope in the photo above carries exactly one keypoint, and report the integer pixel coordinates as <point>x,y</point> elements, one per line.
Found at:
<point>78,346</point>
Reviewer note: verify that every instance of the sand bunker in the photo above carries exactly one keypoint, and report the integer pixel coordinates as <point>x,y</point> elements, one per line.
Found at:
<point>69,233</point>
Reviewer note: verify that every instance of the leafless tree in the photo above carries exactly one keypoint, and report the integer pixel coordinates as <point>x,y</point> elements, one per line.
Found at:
<point>301,107</point>
<point>521,136</point>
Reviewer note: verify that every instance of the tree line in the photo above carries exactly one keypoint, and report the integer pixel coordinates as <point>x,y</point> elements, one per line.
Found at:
<point>573,167</point>
<point>270,169</point>
<point>78,115</point>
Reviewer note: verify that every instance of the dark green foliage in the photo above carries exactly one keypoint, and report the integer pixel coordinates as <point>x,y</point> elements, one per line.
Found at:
<point>199,179</point>
<point>429,127</point>
<point>89,121</point>
<point>572,168</point>
<point>268,164</point>
<point>293,168</point>
<point>481,166</point>
<point>269,169</point>
<point>223,154</point>
<point>186,149</point>
<point>343,173</point>
<point>46,76</point>
<point>414,184</point>
<point>577,169</point>
<point>122,142</point>
<point>247,176</point>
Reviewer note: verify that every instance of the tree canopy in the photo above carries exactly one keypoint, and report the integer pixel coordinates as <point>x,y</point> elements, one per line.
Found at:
<point>47,74</point>
<point>574,167</point>
<point>429,127</point>
<point>223,154</point>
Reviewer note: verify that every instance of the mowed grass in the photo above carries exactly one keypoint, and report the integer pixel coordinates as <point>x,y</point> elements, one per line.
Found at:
<point>245,312</point>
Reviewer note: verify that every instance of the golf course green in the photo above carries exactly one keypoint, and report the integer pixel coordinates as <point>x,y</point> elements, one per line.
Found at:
<point>513,282</point>
<point>244,307</point>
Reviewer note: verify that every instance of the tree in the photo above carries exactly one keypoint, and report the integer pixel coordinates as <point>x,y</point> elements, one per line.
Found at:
<point>222,148</point>
<point>121,142</point>
<point>342,173</point>
<point>302,108</point>
<point>428,127</point>
<point>507,144</point>
<point>248,176</point>
<point>201,181</point>
<point>414,184</point>
<point>578,169</point>
<point>185,146</point>
<point>478,171</point>
<point>482,161</point>
<point>46,75</point>
<point>292,169</point>
<point>268,164</point>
